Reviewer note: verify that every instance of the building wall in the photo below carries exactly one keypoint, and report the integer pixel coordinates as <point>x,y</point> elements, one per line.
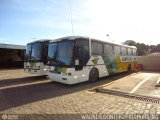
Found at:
<point>11,57</point>
<point>150,62</point>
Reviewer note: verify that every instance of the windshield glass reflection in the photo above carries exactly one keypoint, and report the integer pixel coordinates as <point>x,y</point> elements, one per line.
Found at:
<point>36,51</point>
<point>60,53</point>
<point>28,52</point>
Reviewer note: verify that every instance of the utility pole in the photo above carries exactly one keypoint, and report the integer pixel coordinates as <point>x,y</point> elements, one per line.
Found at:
<point>70,5</point>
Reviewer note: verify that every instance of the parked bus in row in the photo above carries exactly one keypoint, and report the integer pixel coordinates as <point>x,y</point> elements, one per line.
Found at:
<point>36,57</point>
<point>76,59</point>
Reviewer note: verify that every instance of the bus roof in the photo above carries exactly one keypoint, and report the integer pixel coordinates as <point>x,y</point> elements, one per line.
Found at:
<point>40,40</point>
<point>11,46</point>
<point>94,39</point>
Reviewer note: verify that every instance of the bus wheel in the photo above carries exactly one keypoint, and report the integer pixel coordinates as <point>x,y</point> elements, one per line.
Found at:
<point>93,75</point>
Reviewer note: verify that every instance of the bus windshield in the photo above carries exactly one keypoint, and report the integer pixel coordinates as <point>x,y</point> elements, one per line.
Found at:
<point>60,53</point>
<point>37,53</point>
<point>28,52</point>
<point>52,50</point>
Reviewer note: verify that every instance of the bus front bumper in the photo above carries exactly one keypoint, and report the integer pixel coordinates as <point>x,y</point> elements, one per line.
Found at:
<point>63,78</point>
<point>34,71</point>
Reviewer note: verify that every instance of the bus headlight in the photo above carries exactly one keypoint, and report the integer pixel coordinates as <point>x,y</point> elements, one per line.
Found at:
<point>47,69</point>
<point>75,77</point>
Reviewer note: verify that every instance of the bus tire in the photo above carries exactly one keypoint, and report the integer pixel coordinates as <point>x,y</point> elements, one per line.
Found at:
<point>93,75</point>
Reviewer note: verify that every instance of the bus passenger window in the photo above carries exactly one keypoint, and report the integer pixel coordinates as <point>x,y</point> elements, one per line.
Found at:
<point>97,48</point>
<point>117,50</point>
<point>124,51</point>
<point>134,52</point>
<point>108,49</point>
<point>100,49</point>
<point>129,51</point>
<point>83,44</point>
<point>94,47</point>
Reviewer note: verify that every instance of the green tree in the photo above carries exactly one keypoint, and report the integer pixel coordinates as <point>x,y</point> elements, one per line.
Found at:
<point>141,47</point>
<point>155,48</point>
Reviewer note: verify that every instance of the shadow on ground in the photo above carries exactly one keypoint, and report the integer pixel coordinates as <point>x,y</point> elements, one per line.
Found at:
<point>17,96</point>
<point>23,80</point>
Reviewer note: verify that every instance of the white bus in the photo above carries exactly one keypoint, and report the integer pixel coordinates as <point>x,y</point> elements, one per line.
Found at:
<point>36,57</point>
<point>76,59</point>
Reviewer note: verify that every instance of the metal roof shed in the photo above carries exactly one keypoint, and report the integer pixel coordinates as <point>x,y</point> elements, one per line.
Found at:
<point>11,55</point>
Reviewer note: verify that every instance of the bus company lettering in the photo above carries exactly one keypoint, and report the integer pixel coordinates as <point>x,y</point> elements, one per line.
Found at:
<point>128,58</point>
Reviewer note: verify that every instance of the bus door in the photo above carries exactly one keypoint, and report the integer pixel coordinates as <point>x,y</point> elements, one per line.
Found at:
<point>81,53</point>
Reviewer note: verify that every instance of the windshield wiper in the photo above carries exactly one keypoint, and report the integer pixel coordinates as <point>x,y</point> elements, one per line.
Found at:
<point>52,61</point>
<point>60,62</point>
<point>34,58</point>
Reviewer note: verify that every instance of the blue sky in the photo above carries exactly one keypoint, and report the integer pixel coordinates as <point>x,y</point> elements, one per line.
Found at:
<point>23,21</point>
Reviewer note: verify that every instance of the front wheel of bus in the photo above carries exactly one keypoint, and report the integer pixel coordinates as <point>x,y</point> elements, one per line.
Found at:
<point>94,75</point>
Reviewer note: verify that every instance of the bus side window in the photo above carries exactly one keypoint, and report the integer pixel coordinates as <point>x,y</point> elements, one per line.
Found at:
<point>97,48</point>
<point>83,47</point>
<point>129,51</point>
<point>124,51</point>
<point>108,49</point>
<point>117,50</point>
<point>100,49</point>
<point>134,52</point>
<point>79,56</point>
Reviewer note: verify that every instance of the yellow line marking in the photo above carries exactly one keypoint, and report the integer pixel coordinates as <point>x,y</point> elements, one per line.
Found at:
<point>135,88</point>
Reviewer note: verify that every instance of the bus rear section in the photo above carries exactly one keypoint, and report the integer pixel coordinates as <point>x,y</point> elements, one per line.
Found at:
<point>77,59</point>
<point>36,57</point>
